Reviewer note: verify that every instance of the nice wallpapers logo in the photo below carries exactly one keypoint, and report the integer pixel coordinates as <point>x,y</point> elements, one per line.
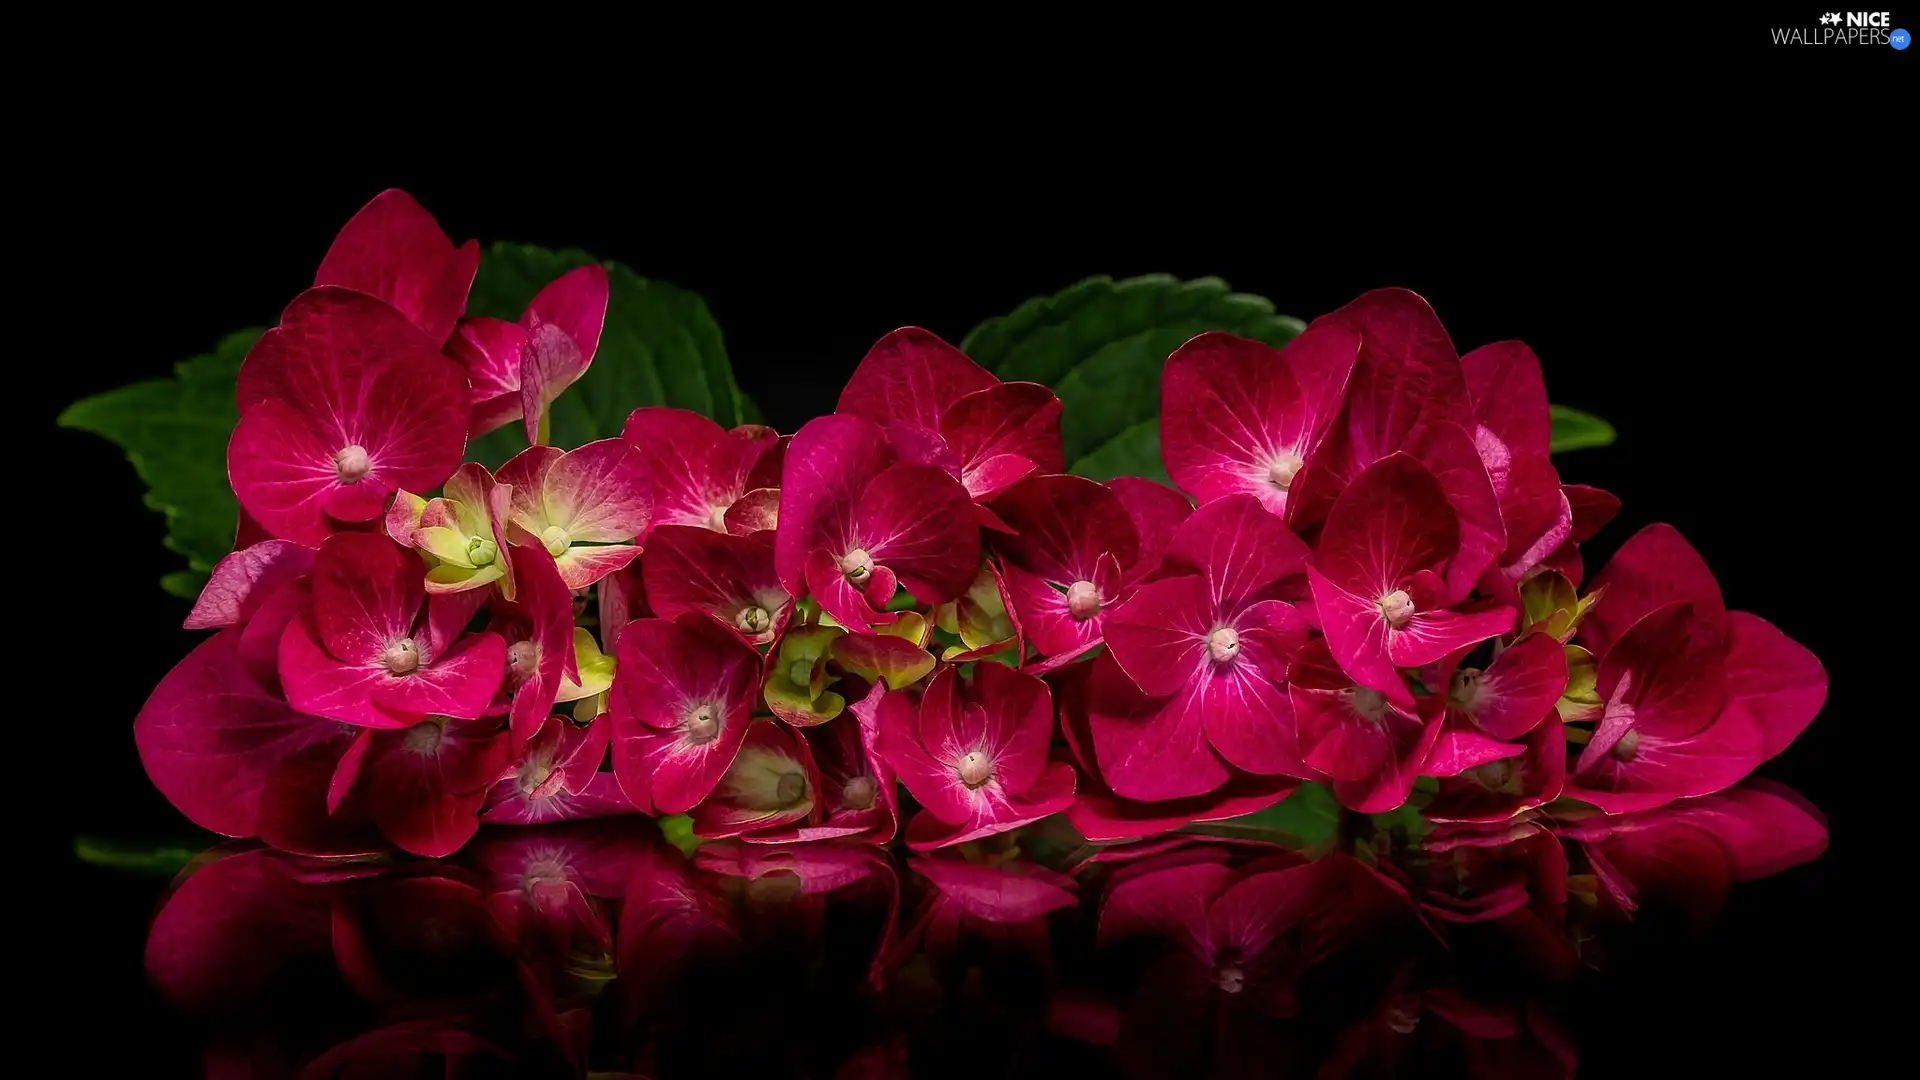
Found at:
<point>1849,28</point>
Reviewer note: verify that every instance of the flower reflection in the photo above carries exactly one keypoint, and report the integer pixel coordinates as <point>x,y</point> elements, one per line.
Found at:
<point>596,948</point>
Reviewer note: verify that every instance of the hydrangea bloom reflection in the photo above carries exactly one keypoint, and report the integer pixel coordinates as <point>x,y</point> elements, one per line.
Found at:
<point>904,622</point>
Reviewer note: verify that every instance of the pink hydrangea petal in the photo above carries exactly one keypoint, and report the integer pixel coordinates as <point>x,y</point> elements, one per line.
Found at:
<point>1062,525</point>
<point>831,461</point>
<point>1103,817</point>
<point>490,350</point>
<point>1392,521</point>
<point>1241,548</point>
<point>599,797</point>
<point>366,593</point>
<point>838,597</point>
<point>316,683</point>
<point>1664,770</point>
<point>1150,749</point>
<point>1655,566</point>
<point>1247,716</point>
<point>1509,395</point>
<point>1012,892</point>
<point>526,472</point>
<point>354,503</point>
<point>1448,452</point>
<point>1389,788</point>
<point>584,564</point>
<point>918,523</point>
<point>1542,769</point>
<point>426,791</point>
<point>1764,828</point>
<point>260,637</point>
<point>664,667</point>
<point>1773,682</point>
<point>756,511</point>
<point>692,467</point>
<point>727,813</point>
<point>576,302</point>
<point>296,813</point>
<point>282,473</point>
<point>1019,731</point>
<point>693,569</point>
<point>1592,509</point>
<point>447,617</point>
<point>1160,637</point>
<point>1356,632</point>
<point>1519,688</point>
<point>209,737</point>
<point>547,604</point>
<point>229,928</point>
<point>1044,615</point>
<point>1431,635</point>
<point>459,684</point>
<point>1050,794</point>
<point>1460,747</point>
<point>595,492</point>
<point>933,783</point>
<point>244,579</point>
<point>1407,374</point>
<point>1348,745</point>
<point>912,376</point>
<point>1230,407</point>
<point>394,250</point>
<point>1015,421</point>
<point>1157,511</point>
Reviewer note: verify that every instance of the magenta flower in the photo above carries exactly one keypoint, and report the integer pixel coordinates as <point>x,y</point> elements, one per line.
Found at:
<point>1512,430</point>
<point>584,506</point>
<point>732,578</point>
<point>340,405</point>
<point>1073,550</point>
<point>376,651</point>
<point>1515,693</point>
<point>1383,583</point>
<point>772,786</point>
<point>1370,746</point>
<point>695,471</point>
<point>1241,417</point>
<point>557,778</point>
<point>1493,783</point>
<point>1696,696</point>
<point>393,251</point>
<point>854,523</point>
<point>1210,647</point>
<point>942,409</point>
<point>539,633</point>
<point>857,795</point>
<point>242,582</point>
<point>464,530</point>
<point>1104,817</point>
<point>518,369</point>
<point>683,696</point>
<point>425,785</point>
<point>975,755</point>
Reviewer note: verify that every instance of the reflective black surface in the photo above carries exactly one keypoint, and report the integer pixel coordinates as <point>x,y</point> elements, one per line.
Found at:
<point>1549,945</point>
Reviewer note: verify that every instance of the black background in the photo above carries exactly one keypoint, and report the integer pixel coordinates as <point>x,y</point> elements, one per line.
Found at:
<point>1689,289</point>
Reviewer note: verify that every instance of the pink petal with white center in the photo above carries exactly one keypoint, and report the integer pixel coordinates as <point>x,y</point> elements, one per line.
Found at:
<point>260,637</point>
<point>1392,521</point>
<point>858,794</point>
<point>729,577</point>
<point>526,473</point>
<point>1773,682</point>
<point>1243,550</point>
<point>1350,733</point>
<point>596,494</point>
<point>830,463</point>
<point>846,602</point>
<point>1460,748</point>
<point>995,811</point>
<point>562,327</point>
<point>1656,566</point>
<point>999,712</point>
<point>1431,635</point>
<point>1356,633</point>
<point>693,468</point>
<point>460,683</point>
<point>1062,525</point>
<point>918,522</point>
<point>1160,637</point>
<point>756,511</point>
<point>1519,688</point>
<point>1448,452</point>
<point>772,783</point>
<point>283,474</point>
<point>366,594</point>
<point>912,376</point>
<point>584,564</point>
<point>931,780</point>
<point>210,738</point>
<point>428,782</point>
<point>1157,512</point>
<point>1239,417</point>
<point>1018,421</point>
<point>682,699</point>
<point>394,250</point>
<point>316,683</point>
<point>1509,395</point>
<point>1666,677</point>
<point>243,580</point>
<point>1046,616</point>
<point>546,605</point>
<point>1496,790</point>
<point>600,797</point>
<point>1152,749</point>
<point>1663,770</point>
<point>576,302</point>
<point>1244,705</point>
<point>490,351</point>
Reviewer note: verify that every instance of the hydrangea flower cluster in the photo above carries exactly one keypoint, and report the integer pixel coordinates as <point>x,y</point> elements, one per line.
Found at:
<point>1370,577</point>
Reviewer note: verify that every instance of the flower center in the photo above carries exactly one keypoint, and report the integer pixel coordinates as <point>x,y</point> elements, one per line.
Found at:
<point>1494,775</point>
<point>1223,645</point>
<point>753,619</point>
<point>1464,689</point>
<point>533,773</point>
<point>975,769</point>
<point>424,737</point>
<point>523,659</point>
<point>401,657</point>
<point>481,551</point>
<point>858,793</point>
<point>702,724</point>
<point>1628,747</point>
<point>556,540</point>
<point>1230,978</point>
<point>1369,703</point>
<point>1283,469</point>
<point>791,788</point>
<point>1402,1020</point>
<point>1083,600</point>
<point>857,565</point>
<point>352,464</point>
<point>717,519</point>
<point>1397,606</point>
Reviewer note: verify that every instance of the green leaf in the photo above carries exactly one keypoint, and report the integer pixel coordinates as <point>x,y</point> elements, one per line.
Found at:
<point>1101,344</point>
<point>678,829</point>
<point>1575,430</point>
<point>660,346</point>
<point>162,859</point>
<point>175,433</point>
<point>1308,819</point>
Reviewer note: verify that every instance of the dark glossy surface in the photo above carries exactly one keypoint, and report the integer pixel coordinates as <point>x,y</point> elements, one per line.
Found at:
<point>1550,945</point>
